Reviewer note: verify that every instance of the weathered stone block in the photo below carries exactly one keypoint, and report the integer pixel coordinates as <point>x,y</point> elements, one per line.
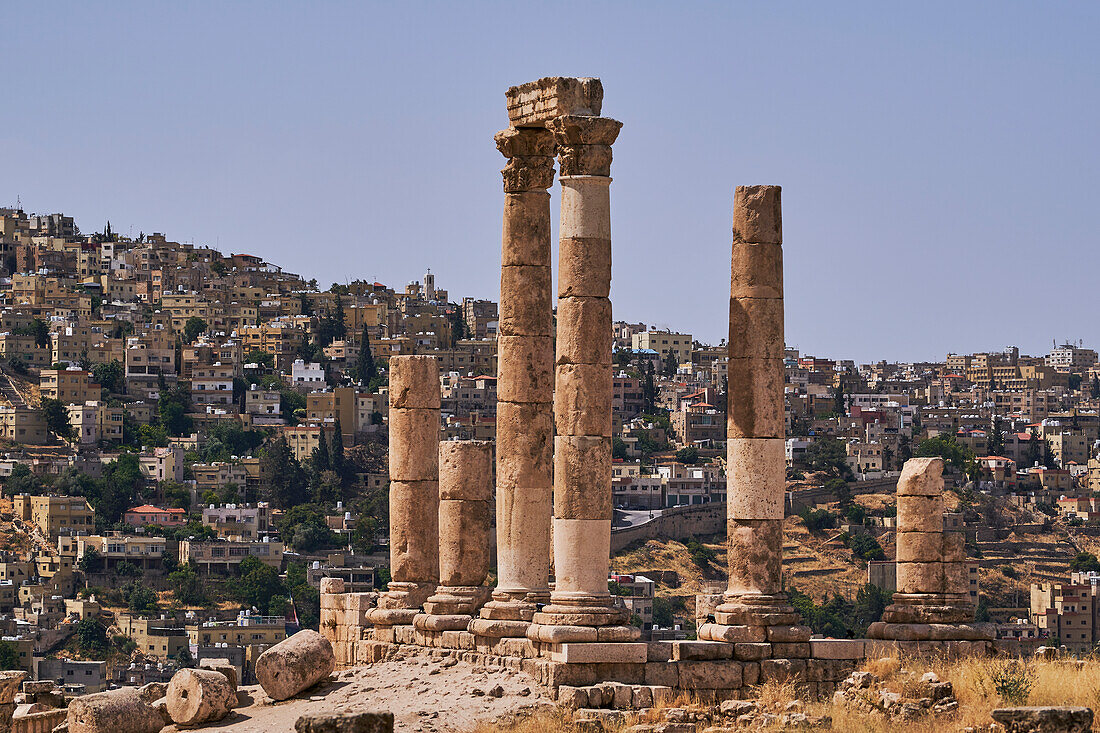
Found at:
<point>755,478</point>
<point>756,270</point>
<point>526,301</point>
<point>631,653</point>
<point>1063,719</point>
<point>758,214</point>
<point>584,268</point>
<point>525,449</point>
<point>920,577</point>
<point>920,513</point>
<point>345,723</point>
<point>756,328</point>
<point>331,586</point>
<point>585,462</point>
<point>584,336</point>
<point>585,207</point>
<point>749,651</point>
<point>701,650</point>
<point>710,675</point>
<point>755,550</point>
<point>525,368</point>
<point>526,232</point>
<point>580,388</point>
<point>921,477</point>
<point>414,531</point>
<point>535,103</point>
<point>414,444</point>
<point>782,650</point>
<point>788,634</point>
<point>755,398</point>
<point>837,648</point>
<point>919,546</point>
<point>295,664</point>
<point>414,382</point>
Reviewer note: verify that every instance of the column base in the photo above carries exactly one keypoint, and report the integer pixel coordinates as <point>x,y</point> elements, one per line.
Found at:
<point>756,609</point>
<point>596,614</point>
<point>929,608</point>
<point>442,622</point>
<point>454,600</point>
<point>401,597</point>
<point>554,634</point>
<point>932,631</point>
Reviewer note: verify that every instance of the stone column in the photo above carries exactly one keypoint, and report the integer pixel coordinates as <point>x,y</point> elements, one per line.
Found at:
<point>414,489</point>
<point>754,608</point>
<point>525,386</point>
<point>465,490</point>
<point>582,390</point>
<point>932,601</point>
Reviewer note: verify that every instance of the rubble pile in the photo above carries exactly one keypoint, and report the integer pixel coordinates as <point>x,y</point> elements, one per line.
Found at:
<point>927,695</point>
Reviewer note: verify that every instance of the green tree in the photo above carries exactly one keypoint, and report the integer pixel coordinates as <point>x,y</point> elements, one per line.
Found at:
<point>997,437</point>
<point>618,448</point>
<point>141,599</point>
<point>287,485</point>
<point>948,448</point>
<point>1085,562</point>
<point>57,417</point>
<point>336,452</point>
<point>193,328</point>
<point>176,494</point>
<point>256,584</point>
<point>365,368</point>
<point>21,481</point>
<point>111,376</point>
<point>264,359</point>
<point>320,456</point>
<point>91,561</point>
<point>91,637</point>
<point>304,528</point>
<point>187,586</point>
<point>688,455</point>
<point>172,407</point>
<point>829,455</point>
<point>9,656</point>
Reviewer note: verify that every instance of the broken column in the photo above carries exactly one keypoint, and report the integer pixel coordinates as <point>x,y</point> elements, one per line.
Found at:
<point>115,711</point>
<point>294,664</point>
<point>525,386</point>
<point>754,607</point>
<point>932,601</point>
<point>581,608</point>
<point>465,489</point>
<point>414,489</point>
<point>197,696</point>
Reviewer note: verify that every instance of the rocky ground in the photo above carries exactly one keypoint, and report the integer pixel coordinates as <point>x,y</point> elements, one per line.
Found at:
<point>424,695</point>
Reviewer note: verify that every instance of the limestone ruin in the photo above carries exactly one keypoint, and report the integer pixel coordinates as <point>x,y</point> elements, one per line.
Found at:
<point>553,458</point>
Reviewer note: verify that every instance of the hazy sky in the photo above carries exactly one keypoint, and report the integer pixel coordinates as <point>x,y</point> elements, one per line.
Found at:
<point>939,161</point>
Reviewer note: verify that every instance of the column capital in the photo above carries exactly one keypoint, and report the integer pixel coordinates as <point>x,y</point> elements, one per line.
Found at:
<point>584,144</point>
<point>530,154</point>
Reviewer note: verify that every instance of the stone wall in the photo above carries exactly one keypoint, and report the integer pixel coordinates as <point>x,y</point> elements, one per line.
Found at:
<point>677,523</point>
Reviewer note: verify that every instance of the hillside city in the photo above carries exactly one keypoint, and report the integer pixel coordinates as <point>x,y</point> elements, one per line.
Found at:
<point>193,440</point>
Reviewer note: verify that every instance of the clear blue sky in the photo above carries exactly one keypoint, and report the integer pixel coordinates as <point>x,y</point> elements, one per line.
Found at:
<point>939,160</point>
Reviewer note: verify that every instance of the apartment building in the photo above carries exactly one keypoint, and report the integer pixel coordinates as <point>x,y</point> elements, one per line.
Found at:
<point>147,514</point>
<point>23,425</point>
<point>154,637</point>
<point>55,515</point>
<point>239,521</point>
<point>662,342</point>
<point>223,556</point>
<point>163,464</point>
<point>212,384</point>
<point>146,553</point>
<point>247,630</point>
<point>686,484</point>
<point>95,422</point>
<point>635,593</point>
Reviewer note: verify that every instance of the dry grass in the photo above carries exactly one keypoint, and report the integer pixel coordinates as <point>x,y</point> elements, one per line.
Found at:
<point>1060,682</point>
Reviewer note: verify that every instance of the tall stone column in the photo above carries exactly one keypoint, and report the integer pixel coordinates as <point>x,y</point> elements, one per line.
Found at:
<point>465,490</point>
<point>582,392</point>
<point>754,608</point>
<point>932,601</point>
<point>525,387</point>
<point>414,489</point>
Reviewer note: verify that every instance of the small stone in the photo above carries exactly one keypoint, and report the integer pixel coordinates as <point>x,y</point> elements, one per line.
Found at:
<point>496,691</point>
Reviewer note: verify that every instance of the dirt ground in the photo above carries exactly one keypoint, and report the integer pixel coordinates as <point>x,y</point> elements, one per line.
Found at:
<point>424,695</point>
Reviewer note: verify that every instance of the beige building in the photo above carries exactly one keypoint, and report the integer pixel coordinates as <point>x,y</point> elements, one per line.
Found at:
<point>222,556</point>
<point>146,553</point>
<point>239,521</point>
<point>94,421</point>
<point>662,342</point>
<point>55,515</point>
<point>23,425</point>
<point>70,386</point>
<point>154,637</point>
<point>248,630</point>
